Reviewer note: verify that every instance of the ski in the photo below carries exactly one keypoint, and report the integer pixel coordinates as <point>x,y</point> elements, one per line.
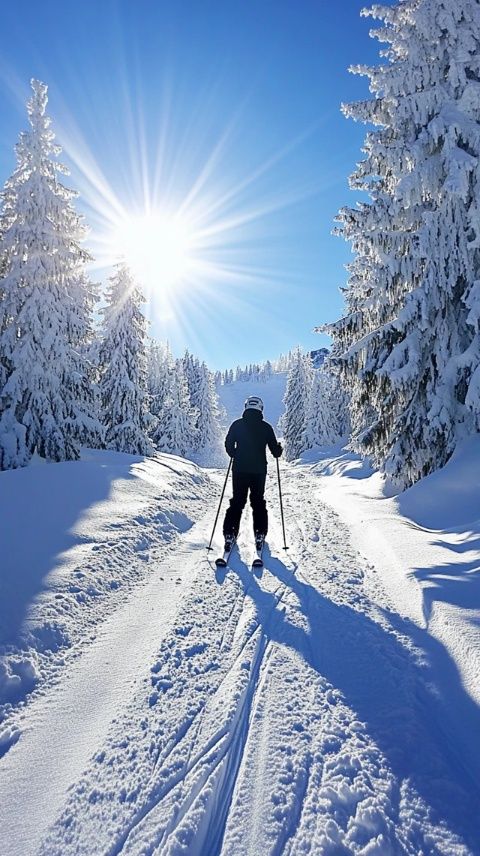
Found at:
<point>222,561</point>
<point>258,560</point>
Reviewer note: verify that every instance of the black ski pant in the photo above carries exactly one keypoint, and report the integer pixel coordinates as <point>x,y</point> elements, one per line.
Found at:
<point>242,483</point>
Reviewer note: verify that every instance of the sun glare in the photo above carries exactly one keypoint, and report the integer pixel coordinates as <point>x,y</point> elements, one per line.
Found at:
<point>157,248</point>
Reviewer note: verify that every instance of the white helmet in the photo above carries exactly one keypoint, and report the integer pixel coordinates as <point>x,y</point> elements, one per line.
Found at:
<point>254,403</point>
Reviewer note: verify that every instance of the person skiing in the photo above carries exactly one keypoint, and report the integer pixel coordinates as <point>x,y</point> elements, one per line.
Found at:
<point>246,442</point>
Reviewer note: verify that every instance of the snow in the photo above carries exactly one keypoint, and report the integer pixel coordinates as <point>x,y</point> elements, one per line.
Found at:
<point>426,543</point>
<point>309,707</point>
<point>448,497</point>
<point>74,535</point>
<point>76,714</point>
<point>271,391</point>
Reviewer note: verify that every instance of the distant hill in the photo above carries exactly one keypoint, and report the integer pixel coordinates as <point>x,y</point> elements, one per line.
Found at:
<point>232,397</point>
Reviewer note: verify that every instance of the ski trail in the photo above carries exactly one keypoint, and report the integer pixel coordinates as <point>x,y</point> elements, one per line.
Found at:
<point>199,767</point>
<point>390,805</point>
<point>61,727</point>
<point>282,714</point>
<point>206,781</point>
<point>221,776</point>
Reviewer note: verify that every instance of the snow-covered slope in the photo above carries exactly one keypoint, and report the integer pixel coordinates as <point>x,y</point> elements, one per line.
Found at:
<point>449,497</point>
<point>233,395</point>
<point>75,538</point>
<point>312,707</point>
<point>278,714</point>
<point>425,544</point>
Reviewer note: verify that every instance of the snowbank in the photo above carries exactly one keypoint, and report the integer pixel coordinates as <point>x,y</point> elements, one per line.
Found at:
<point>424,544</point>
<point>74,535</point>
<point>448,497</point>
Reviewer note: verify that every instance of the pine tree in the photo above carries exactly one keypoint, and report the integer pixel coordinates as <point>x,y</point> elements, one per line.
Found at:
<point>409,344</point>
<point>205,402</point>
<point>326,420</point>
<point>123,380</point>
<point>190,370</point>
<point>82,382</point>
<point>159,367</point>
<point>46,397</point>
<point>176,431</point>
<point>294,419</point>
<point>192,374</point>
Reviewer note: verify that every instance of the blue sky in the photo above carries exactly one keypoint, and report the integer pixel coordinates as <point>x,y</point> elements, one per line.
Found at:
<point>226,111</point>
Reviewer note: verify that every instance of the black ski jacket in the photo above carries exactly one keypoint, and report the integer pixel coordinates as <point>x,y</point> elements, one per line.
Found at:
<point>247,440</point>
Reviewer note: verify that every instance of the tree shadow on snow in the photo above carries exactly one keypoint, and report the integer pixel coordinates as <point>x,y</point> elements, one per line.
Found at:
<point>39,510</point>
<point>409,709</point>
<point>456,583</point>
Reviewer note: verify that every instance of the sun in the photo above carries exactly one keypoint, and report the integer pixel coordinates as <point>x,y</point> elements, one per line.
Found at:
<point>158,248</point>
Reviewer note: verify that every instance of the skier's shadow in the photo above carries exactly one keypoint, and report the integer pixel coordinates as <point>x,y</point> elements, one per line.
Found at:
<point>383,683</point>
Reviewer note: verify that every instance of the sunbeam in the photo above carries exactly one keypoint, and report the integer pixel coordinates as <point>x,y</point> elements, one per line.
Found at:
<point>175,202</point>
<point>210,237</point>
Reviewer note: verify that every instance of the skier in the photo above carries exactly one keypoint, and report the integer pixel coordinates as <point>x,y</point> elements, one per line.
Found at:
<point>246,443</point>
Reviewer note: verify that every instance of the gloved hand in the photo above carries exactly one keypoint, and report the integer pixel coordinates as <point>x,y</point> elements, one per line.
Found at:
<point>279,450</point>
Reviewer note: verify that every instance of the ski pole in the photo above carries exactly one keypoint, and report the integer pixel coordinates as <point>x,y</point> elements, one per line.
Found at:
<point>281,506</point>
<point>220,504</point>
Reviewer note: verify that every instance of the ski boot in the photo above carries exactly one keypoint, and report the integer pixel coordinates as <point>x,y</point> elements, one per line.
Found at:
<point>259,541</point>
<point>229,541</point>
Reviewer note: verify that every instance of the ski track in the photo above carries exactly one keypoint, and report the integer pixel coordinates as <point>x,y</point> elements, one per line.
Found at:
<point>287,712</point>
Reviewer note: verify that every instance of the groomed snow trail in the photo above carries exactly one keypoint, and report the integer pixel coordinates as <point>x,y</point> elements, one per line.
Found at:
<point>283,712</point>
<point>65,722</point>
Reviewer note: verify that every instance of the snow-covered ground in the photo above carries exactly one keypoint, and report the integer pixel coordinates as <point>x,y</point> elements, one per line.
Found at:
<point>426,545</point>
<point>312,707</point>
<point>76,538</point>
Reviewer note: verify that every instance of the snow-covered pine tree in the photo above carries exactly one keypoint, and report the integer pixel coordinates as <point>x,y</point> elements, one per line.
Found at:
<point>176,431</point>
<point>123,377</point>
<point>47,403</point>
<point>326,420</point>
<point>205,402</point>
<point>409,344</point>
<point>190,370</point>
<point>9,296</point>
<point>192,374</point>
<point>159,370</point>
<point>296,399</point>
<point>82,381</point>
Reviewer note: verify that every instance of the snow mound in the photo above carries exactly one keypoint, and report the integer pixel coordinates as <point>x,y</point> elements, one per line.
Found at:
<point>424,544</point>
<point>75,535</point>
<point>449,497</point>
